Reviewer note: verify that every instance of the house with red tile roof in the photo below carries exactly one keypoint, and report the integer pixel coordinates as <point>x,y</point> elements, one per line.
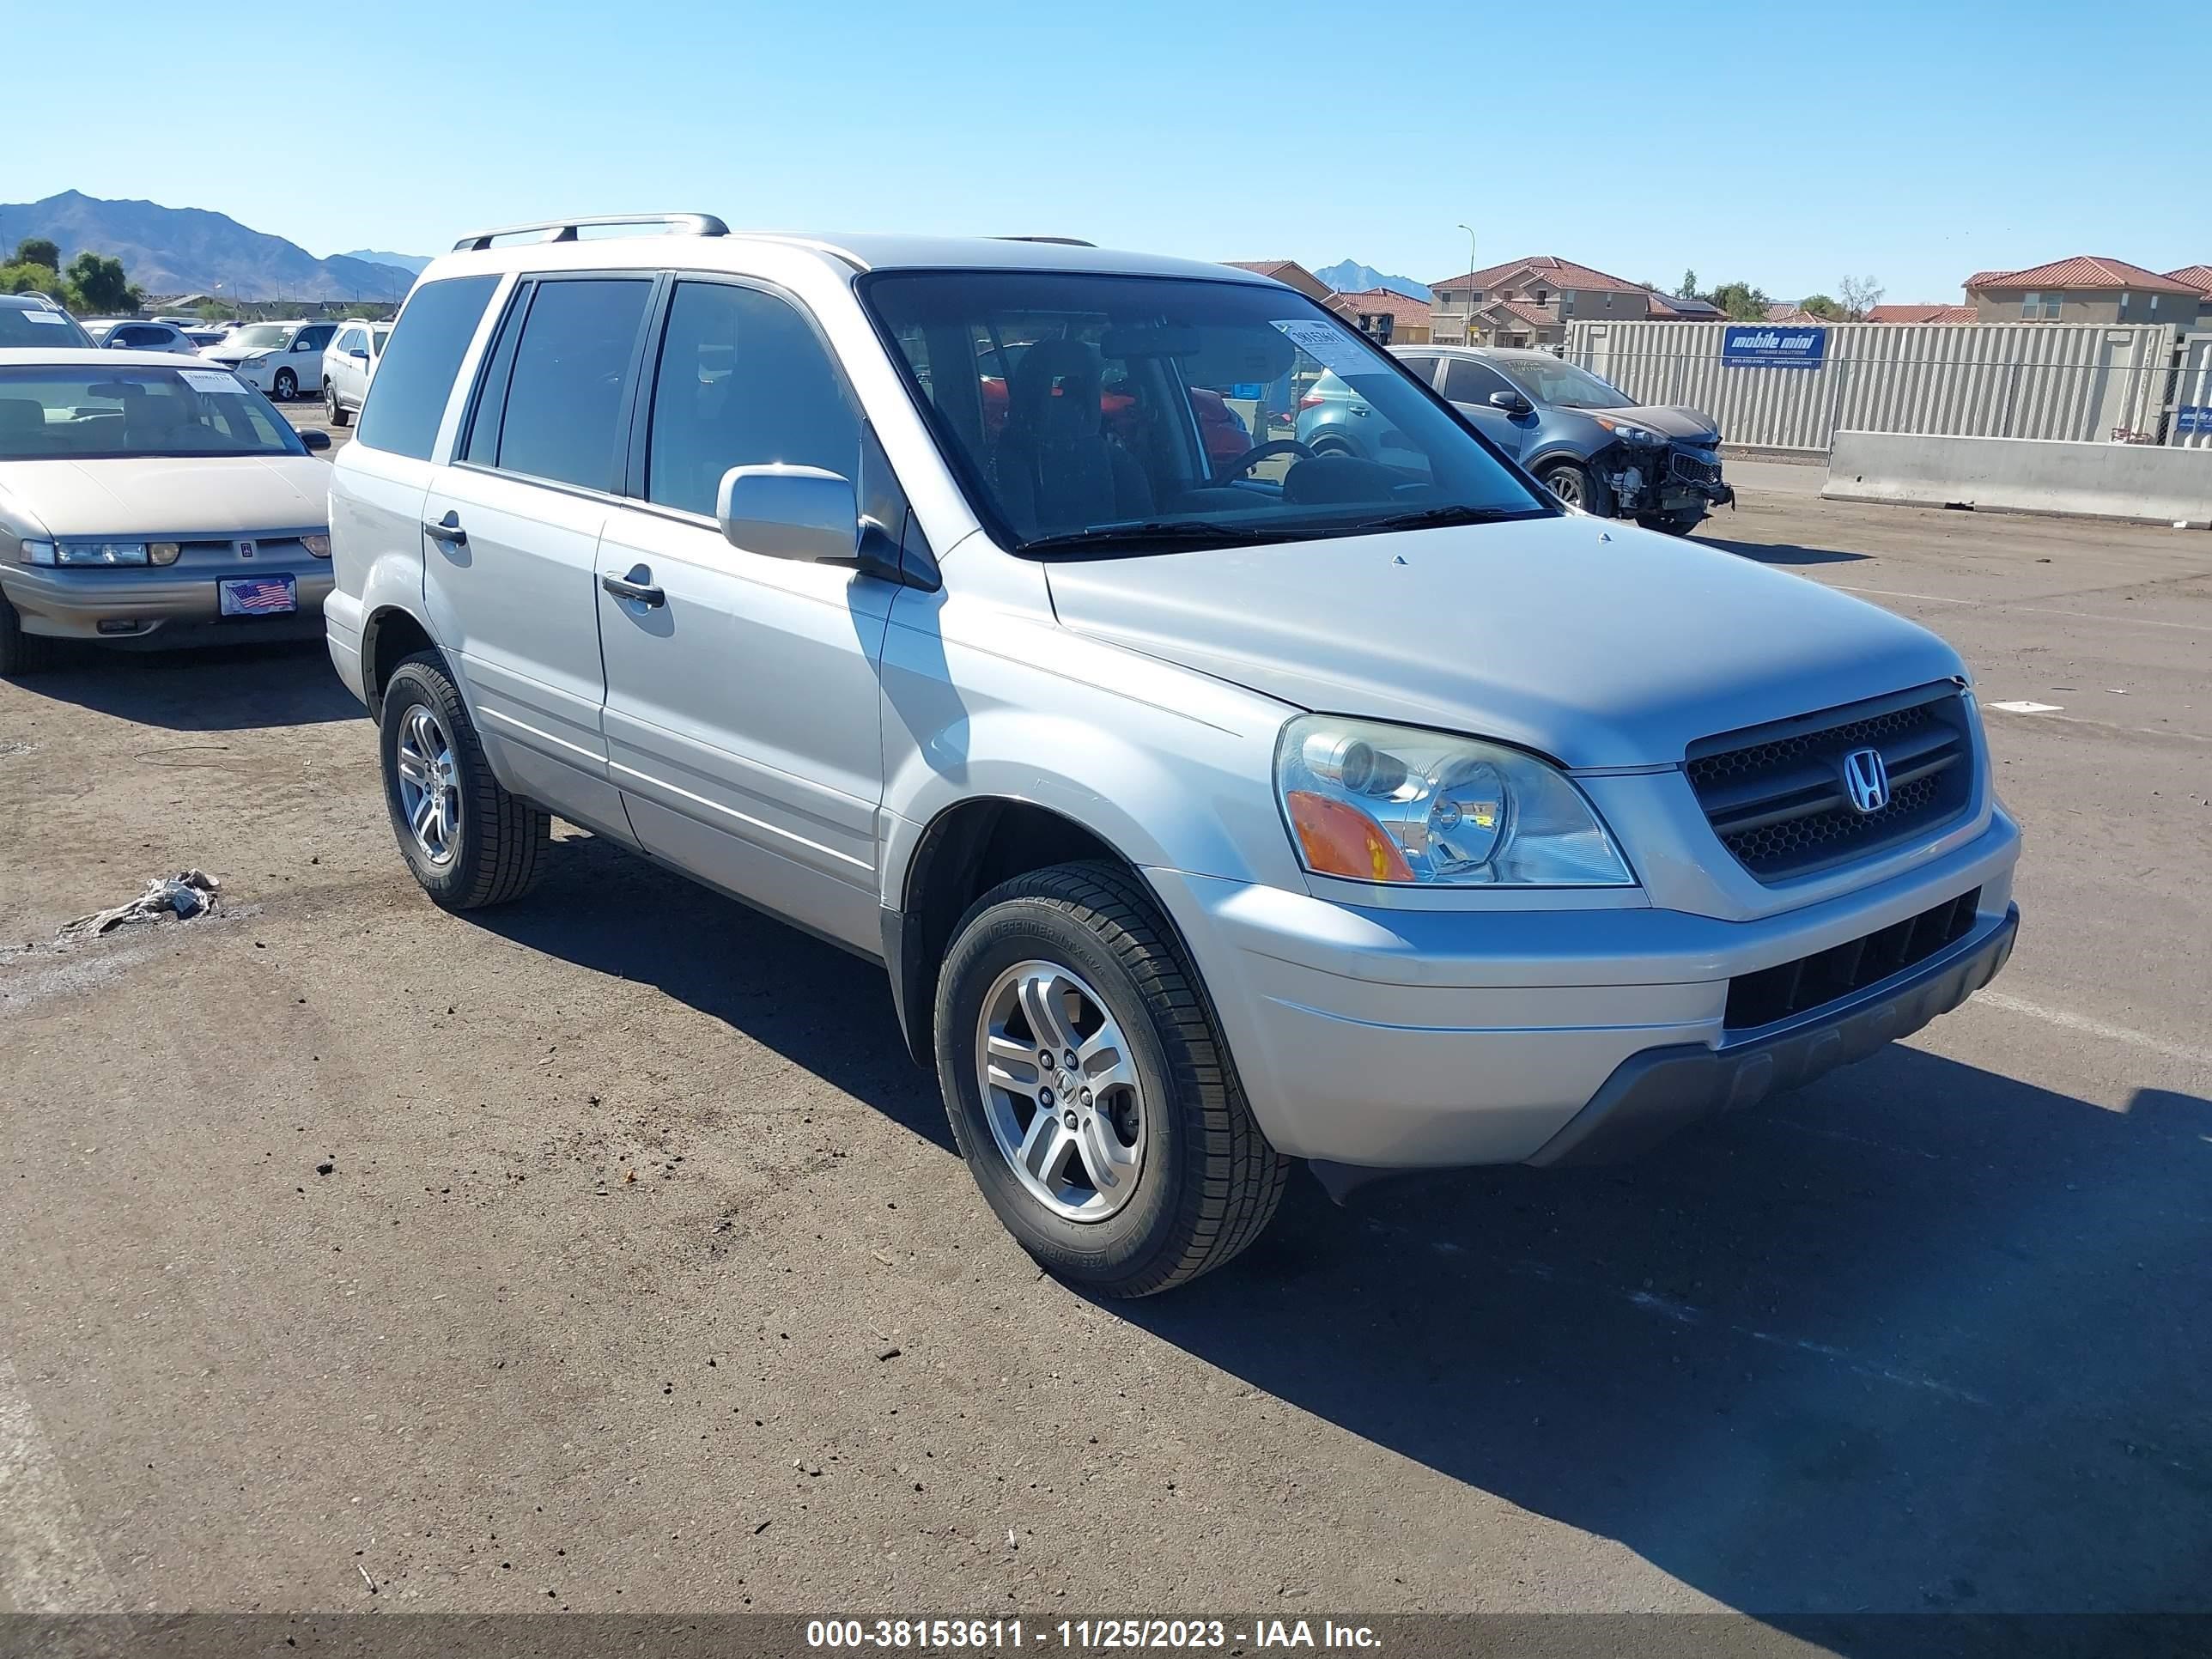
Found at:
<point>1530,302</point>
<point>1289,272</point>
<point>2085,288</point>
<point>1384,315</point>
<point>1928,313</point>
<point>2197,276</point>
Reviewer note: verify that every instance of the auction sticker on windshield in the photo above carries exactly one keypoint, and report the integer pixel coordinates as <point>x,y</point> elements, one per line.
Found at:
<point>213,381</point>
<point>52,317</point>
<point>1330,347</point>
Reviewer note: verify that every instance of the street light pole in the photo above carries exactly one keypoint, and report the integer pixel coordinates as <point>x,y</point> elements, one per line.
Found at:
<point>1469,229</point>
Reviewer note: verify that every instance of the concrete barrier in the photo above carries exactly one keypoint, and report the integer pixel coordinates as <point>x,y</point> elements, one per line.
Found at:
<point>2024,475</point>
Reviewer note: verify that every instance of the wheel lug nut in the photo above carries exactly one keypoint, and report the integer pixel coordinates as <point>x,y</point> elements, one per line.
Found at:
<point>1069,1119</point>
<point>1085,1096</point>
<point>1044,1099</point>
<point>1044,1056</point>
<point>1070,1058</point>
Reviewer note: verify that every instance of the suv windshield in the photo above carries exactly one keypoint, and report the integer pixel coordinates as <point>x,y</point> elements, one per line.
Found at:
<point>1548,380</point>
<point>262,337</point>
<point>98,413</point>
<point>1133,413</point>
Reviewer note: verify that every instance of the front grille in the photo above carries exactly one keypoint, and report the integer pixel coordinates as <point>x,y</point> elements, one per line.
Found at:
<point>1696,471</point>
<point>1807,984</point>
<point>1776,796</point>
<point>266,550</point>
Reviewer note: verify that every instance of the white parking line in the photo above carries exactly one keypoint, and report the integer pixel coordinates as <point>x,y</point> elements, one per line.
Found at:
<point>2087,1027</point>
<point>47,1561</point>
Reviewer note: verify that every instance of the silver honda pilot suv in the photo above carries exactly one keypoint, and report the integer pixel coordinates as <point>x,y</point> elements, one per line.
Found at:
<point>1207,810</point>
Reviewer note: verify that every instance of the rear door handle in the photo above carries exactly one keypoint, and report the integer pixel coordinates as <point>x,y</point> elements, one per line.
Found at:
<point>448,530</point>
<point>637,585</point>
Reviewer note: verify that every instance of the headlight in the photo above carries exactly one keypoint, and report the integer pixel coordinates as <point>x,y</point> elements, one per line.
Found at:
<point>1628,432</point>
<point>100,553</point>
<point>1372,802</point>
<point>318,545</point>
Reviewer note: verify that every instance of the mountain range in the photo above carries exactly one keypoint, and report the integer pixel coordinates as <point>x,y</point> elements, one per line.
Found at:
<point>173,251</point>
<point>410,263</point>
<point>1350,277</point>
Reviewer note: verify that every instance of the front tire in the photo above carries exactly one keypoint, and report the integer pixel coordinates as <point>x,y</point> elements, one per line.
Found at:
<point>21,653</point>
<point>1576,485</point>
<point>288,386</point>
<point>1136,1165</point>
<point>468,841</point>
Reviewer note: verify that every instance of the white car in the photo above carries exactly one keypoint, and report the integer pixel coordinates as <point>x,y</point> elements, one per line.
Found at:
<point>347,365</point>
<point>281,359</point>
<point>136,334</point>
<point>148,499</point>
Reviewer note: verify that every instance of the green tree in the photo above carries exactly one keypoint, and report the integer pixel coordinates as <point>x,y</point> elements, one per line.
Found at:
<point>23,278</point>
<point>1741,302</point>
<point>98,285</point>
<point>1823,307</point>
<point>37,251</point>
<point>1689,288</point>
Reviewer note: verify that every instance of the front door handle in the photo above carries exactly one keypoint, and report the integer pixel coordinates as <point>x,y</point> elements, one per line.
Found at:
<point>448,530</point>
<point>637,585</point>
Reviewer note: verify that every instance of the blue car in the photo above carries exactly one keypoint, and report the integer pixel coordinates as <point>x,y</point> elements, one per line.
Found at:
<point>1590,443</point>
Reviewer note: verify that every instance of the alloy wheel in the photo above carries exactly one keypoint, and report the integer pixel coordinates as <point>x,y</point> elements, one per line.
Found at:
<point>430,785</point>
<point>1060,1091</point>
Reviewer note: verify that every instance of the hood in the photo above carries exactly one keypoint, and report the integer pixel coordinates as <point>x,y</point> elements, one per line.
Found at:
<point>230,353</point>
<point>1673,420</point>
<point>224,495</point>
<point>1596,643</point>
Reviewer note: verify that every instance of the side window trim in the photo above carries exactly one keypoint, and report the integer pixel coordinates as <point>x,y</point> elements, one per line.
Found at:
<point>488,397</point>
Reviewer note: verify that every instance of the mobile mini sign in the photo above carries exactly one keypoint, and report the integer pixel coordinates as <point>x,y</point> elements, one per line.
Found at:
<point>1757,345</point>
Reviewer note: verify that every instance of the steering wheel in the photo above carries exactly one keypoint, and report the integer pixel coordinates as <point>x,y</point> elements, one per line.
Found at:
<point>1259,452</point>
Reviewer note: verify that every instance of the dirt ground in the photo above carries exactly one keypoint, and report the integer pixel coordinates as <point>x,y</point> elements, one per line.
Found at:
<point>606,1252</point>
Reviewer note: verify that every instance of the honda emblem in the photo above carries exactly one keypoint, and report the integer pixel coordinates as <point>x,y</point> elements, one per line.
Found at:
<point>1866,780</point>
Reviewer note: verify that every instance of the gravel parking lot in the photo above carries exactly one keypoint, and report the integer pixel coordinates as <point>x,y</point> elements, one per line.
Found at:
<point>606,1252</point>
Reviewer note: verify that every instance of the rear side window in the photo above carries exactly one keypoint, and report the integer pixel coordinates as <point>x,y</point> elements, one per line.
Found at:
<point>565,396</point>
<point>743,380</point>
<point>416,374</point>
<point>1421,369</point>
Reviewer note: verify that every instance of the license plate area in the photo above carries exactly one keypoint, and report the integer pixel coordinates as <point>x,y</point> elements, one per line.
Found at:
<point>258,596</point>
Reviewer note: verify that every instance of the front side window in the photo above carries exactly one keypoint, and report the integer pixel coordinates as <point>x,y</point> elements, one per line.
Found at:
<point>566,396</point>
<point>407,398</point>
<point>1073,407</point>
<point>742,380</point>
<point>1467,381</point>
<point>97,413</point>
<point>1561,385</point>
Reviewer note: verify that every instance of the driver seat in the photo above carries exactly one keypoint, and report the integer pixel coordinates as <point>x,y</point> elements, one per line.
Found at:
<point>1055,468</point>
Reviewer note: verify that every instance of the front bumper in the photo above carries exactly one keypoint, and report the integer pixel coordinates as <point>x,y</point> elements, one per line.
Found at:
<point>1395,1039</point>
<point>69,603</point>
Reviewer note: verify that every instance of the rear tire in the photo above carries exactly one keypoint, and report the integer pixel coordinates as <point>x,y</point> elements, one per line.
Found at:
<point>21,653</point>
<point>474,844</point>
<point>332,407</point>
<point>1204,1182</point>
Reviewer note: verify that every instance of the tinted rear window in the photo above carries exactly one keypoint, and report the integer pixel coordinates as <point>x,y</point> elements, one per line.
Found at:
<point>566,398</point>
<point>416,374</point>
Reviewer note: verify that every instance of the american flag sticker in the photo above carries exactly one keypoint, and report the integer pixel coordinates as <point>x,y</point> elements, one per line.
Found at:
<point>258,596</point>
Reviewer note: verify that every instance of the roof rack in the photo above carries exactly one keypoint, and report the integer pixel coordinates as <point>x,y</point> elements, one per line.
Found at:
<point>564,230</point>
<point>1059,241</point>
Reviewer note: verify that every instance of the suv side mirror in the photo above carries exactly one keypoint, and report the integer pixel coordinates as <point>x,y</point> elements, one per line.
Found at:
<point>801,512</point>
<point>315,438</point>
<point>1511,402</point>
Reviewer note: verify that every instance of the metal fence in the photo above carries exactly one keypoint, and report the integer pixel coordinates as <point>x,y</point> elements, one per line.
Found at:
<point>2079,381</point>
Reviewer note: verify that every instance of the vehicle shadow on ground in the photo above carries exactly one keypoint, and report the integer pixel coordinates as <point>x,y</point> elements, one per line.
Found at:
<point>607,909</point>
<point>1782,553</point>
<point>1921,1338</point>
<point>219,688</point>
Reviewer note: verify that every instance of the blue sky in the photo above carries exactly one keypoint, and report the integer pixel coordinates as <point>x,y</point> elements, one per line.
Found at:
<point>1915,142</point>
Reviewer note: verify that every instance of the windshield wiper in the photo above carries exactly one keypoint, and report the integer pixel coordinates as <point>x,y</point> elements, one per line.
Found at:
<point>1429,517</point>
<point>1151,534</point>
